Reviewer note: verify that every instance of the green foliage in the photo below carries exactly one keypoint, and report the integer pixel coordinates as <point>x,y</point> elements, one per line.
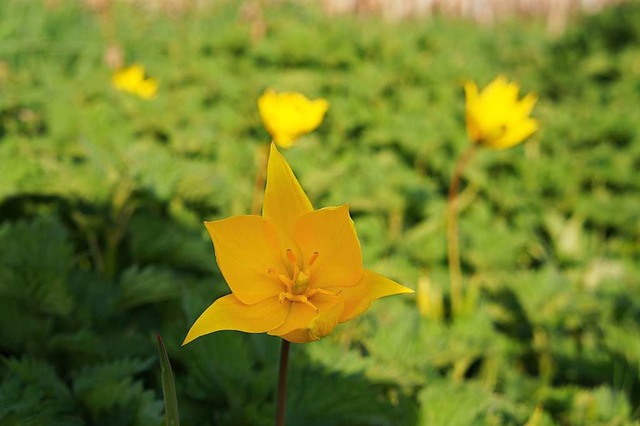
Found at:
<point>102,198</point>
<point>441,404</point>
<point>107,390</point>
<point>171,411</point>
<point>32,394</point>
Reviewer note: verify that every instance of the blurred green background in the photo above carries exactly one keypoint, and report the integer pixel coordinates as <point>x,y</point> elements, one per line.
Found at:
<point>103,195</point>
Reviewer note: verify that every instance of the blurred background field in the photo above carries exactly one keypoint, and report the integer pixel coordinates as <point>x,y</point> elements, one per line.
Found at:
<point>103,195</point>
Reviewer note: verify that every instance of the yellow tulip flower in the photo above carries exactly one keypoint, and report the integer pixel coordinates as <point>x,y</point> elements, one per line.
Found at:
<point>294,272</point>
<point>289,115</point>
<point>132,80</point>
<point>495,117</point>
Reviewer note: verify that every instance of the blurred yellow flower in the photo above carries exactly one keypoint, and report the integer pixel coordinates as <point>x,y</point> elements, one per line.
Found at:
<point>495,117</point>
<point>288,115</point>
<point>132,80</point>
<point>294,272</point>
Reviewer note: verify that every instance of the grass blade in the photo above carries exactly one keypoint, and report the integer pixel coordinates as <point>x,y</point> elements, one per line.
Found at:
<point>171,415</point>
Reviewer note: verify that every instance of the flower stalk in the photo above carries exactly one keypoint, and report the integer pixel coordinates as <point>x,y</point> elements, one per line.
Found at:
<point>453,250</point>
<point>496,119</point>
<point>262,159</point>
<point>281,400</point>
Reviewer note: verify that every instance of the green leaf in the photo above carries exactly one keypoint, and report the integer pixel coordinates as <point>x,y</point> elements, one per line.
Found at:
<point>171,415</point>
<point>445,403</point>
<point>32,393</point>
<point>147,286</point>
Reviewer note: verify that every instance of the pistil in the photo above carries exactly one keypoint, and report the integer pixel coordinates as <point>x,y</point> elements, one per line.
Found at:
<point>301,283</point>
<point>297,286</point>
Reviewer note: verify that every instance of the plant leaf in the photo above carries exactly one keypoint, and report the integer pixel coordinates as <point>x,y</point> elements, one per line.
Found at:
<point>171,414</point>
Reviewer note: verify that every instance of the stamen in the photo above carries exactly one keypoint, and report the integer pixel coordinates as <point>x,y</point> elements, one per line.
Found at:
<point>286,281</point>
<point>322,291</point>
<point>297,298</point>
<point>294,262</point>
<point>291,256</point>
<point>305,301</point>
<point>313,258</point>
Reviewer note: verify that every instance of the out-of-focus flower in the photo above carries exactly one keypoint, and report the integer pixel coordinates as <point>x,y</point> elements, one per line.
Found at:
<point>294,272</point>
<point>495,117</point>
<point>289,115</point>
<point>132,80</point>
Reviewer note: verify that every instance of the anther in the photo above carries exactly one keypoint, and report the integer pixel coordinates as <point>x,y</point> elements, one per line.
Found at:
<point>305,301</point>
<point>291,256</point>
<point>313,257</point>
<point>286,281</point>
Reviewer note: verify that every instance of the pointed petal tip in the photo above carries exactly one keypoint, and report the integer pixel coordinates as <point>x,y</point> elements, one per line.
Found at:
<point>273,149</point>
<point>188,339</point>
<point>500,79</point>
<point>322,106</point>
<point>468,83</point>
<point>405,290</point>
<point>192,335</point>
<point>528,102</point>
<point>470,89</point>
<point>373,286</point>
<point>284,198</point>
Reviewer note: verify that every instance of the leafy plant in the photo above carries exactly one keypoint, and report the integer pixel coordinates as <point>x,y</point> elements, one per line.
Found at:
<point>103,194</point>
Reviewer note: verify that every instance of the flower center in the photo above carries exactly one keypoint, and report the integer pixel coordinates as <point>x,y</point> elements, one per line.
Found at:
<point>494,134</point>
<point>301,283</point>
<point>297,285</point>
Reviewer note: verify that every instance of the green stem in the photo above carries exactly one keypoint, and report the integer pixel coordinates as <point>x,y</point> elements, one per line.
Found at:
<point>114,238</point>
<point>453,251</point>
<point>262,160</point>
<point>282,382</point>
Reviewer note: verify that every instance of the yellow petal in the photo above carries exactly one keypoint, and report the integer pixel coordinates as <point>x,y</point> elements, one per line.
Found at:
<point>470,91</point>
<point>132,80</point>
<point>373,286</point>
<point>127,78</point>
<point>526,104</point>
<point>474,130</point>
<point>320,326</point>
<point>147,88</point>
<point>288,115</point>
<point>498,90</point>
<point>330,233</point>
<point>136,72</point>
<point>246,248</point>
<point>284,140</point>
<point>301,315</point>
<point>515,134</point>
<point>315,115</point>
<point>229,313</point>
<point>268,109</point>
<point>495,118</point>
<point>284,199</point>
